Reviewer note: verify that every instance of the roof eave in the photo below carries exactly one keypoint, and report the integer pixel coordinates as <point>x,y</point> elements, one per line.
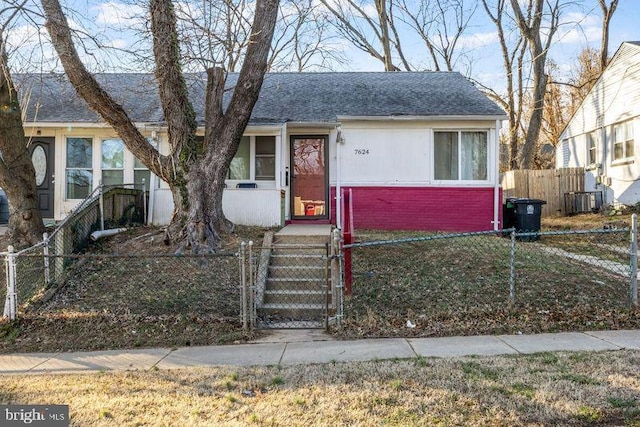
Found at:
<point>474,117</point>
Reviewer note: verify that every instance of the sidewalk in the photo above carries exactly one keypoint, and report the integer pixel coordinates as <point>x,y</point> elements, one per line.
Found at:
<point>311,346</point>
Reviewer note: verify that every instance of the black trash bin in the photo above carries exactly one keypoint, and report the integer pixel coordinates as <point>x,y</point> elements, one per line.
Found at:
<point>527,215</point>
<point>509,214</point>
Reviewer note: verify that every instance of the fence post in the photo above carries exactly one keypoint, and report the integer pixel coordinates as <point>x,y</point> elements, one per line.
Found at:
<point>243,283</point>
<point>45,250</point>
<point>144,201</point>
<point>512,268</point>
<point>11,302</point>
<point>633,284</point>
<point>250,287</point>
<point>101,205</point>
<point>336,278</point>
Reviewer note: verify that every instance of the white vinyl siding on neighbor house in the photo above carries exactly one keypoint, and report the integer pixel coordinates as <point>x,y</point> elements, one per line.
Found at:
<point>610,110</point>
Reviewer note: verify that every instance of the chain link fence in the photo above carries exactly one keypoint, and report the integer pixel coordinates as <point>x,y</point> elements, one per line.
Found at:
<point>115,301</point>
<point>107,207</point>
<point>489,282</point>
<point>290,286</point>
<point>397,284</point>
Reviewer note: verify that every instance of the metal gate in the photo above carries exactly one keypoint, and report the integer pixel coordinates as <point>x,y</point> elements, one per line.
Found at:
<point>287,286</point>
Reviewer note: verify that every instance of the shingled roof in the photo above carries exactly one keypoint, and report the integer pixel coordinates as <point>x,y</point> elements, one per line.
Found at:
<point>285,97</point>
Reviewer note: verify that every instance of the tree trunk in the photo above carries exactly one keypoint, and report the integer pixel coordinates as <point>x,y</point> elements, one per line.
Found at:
<point>607,14</point>
<point>17,175</point>
<point>194,170</point>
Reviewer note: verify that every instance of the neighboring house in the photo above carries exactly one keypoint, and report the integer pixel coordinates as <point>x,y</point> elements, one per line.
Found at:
<point>418,150</point>
<point>600,135</point>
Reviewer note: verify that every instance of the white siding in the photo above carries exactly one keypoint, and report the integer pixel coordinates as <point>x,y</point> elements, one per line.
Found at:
<point>400,153</point>
<point>615,98</point>
<point>241,206</point>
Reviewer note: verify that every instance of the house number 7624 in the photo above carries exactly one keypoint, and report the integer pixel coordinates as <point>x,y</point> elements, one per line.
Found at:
<point>361,151</point>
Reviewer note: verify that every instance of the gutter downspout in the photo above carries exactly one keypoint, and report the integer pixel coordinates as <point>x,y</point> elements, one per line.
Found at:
<point>496,184</point>
<point>338,176</point>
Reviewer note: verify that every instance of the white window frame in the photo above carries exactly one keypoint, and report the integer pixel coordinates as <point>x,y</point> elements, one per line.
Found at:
<point>628,136</point>
<point>460,181</point>
<point>231,183</point>
<point>67,168</point>
<point>124,160</point>
<point>592,137</point>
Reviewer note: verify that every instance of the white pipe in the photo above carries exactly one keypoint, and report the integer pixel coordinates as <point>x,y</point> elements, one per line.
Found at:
<point>338,176</point>
<point>105,233</point>
<point>496,180</point>
<point>152,198</point>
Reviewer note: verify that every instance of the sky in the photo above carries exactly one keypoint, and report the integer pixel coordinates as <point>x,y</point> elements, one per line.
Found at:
<point>581,26</point>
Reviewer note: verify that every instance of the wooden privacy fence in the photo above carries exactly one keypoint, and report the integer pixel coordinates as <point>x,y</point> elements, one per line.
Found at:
<point>549,185</point>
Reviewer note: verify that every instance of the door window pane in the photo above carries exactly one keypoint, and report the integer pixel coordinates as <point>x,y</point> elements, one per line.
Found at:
<point>446,155</point>
<point>79,173</point>
<point>239,168</point>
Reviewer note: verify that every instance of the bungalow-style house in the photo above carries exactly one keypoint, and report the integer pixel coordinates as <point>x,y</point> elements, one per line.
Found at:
<point>417,150</point>
<point>600,135</point>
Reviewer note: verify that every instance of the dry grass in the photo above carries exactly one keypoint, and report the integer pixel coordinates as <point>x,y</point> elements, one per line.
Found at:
<point>572,389</point>
<point>149,301</point>
<point>460,286</point>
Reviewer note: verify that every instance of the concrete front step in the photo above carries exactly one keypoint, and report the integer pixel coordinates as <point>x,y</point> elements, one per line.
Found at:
<point>292,311</point>
<point>295,297</point>
<point>289,271</point>
<point>302,240</point>
<point>291,260</point>
<point>294,284</point>
<point>294,290</point>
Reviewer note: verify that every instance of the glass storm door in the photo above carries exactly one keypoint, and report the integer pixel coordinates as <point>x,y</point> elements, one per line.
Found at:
<point>309,179</point>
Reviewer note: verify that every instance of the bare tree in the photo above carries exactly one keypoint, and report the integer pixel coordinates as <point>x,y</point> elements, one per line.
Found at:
<point>607,14</point>
<point>195,170</point>
<point>216,33</point>
<point>303,40</point>
<point>440,24</point>
<point>17,175</point>
<point>367,32</point>
<point>513,55</point>
<point>538,41</point>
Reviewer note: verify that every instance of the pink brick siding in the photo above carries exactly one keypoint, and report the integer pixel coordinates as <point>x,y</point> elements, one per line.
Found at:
<point>421,208</point>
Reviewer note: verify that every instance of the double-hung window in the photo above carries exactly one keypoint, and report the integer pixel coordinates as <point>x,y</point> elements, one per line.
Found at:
<point>460,156</point>
<point>592,143</point>
<point>112,162</point>
<point>623,142</point>
<point>255,159</point>
<point>79,168</point>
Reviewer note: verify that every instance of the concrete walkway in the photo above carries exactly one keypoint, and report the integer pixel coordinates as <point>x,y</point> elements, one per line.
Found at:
<point>312,346</point>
